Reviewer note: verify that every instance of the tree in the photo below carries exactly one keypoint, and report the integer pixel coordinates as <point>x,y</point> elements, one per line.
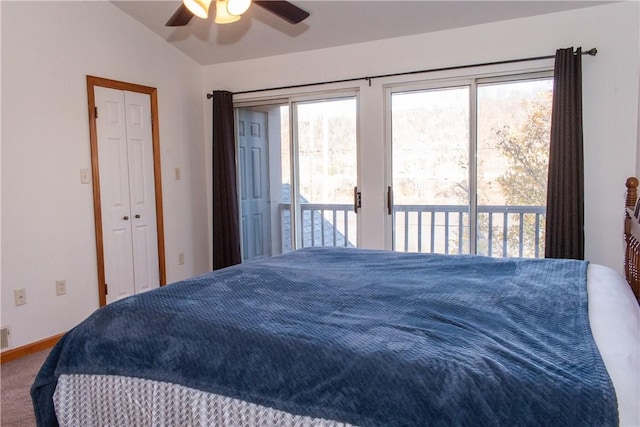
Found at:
<point>527,149</point>
<point>524,182</point>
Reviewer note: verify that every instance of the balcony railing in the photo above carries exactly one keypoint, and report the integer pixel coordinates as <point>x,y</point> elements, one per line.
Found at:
<point>321,224</point>
<point>502,230</point>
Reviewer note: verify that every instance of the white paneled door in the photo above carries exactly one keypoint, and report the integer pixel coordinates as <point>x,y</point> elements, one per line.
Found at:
<point>253,158</point>
<point>127,192</point>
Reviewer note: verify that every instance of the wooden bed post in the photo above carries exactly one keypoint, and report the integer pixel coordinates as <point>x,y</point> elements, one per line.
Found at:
<point>632,192</point>
<point>632,245</point>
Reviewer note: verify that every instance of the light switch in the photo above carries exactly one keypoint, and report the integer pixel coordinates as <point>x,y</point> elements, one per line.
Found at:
<point>84,176</point>
<point>20,296</point>
<point>61,287</point>
<point>178,174</point>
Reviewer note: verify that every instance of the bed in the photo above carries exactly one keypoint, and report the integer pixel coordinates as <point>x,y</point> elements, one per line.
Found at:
<point>632,236</point>
<point>344,336</point>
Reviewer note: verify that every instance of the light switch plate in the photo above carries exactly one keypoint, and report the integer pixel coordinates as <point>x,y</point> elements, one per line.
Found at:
<point>20,296</point>
<point>84,176</point>
<point>61,287</point>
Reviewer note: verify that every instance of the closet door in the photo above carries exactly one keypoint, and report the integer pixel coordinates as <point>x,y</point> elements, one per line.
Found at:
<point>125,156</point>
<point>146,275</point>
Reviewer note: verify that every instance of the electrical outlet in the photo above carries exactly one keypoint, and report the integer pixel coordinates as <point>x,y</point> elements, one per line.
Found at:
<point>20,296</point>
<point>181,258</point>
<point>61,287</point>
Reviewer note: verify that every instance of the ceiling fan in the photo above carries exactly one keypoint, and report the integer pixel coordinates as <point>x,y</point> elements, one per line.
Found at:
<point>230,10</point>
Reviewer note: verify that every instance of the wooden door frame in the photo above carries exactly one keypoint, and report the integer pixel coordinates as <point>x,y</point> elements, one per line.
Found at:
<point>92,82</point>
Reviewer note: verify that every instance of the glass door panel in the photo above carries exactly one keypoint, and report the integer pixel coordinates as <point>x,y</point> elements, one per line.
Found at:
<point>512,161</point>
<point>430,170</point>
<point>326,159</point>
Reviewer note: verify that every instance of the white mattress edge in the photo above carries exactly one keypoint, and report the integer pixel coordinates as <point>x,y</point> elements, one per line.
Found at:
<point>614,316</point>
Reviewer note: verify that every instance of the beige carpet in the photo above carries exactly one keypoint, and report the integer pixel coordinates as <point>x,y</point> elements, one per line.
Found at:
<point>16,378</point>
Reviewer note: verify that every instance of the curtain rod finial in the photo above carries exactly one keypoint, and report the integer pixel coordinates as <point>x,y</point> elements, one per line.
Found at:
<point>209,95</point>
<point>593,51</point>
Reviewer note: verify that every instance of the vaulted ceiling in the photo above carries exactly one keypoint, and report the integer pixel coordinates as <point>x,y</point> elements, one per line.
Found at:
<point>331,23</point>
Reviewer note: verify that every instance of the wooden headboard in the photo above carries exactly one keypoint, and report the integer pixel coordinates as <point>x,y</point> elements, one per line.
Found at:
<point>632,237</point>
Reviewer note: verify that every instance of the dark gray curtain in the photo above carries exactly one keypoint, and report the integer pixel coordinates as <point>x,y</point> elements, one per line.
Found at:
<point>226,226</point>
<point>564,235</point>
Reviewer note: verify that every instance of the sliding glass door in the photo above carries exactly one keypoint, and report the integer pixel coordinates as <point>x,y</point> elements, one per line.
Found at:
<point>469,166</point>
<point>297,163</point>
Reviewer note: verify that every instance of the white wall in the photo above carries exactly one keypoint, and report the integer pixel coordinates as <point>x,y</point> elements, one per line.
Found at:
<point>48,48</point>
<point>610,97</point>
<point>638,153</point>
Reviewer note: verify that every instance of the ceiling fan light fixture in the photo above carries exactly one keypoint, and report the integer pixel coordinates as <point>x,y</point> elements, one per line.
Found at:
<point>238,7</point>
<point>199,8</point>
<point>222,13</point>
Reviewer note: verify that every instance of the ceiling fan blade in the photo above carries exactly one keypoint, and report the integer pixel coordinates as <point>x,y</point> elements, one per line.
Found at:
<point>181,17</point>
<point>285,10</point>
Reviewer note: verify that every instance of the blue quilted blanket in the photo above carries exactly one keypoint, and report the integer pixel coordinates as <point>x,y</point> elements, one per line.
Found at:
<point>372,338</point>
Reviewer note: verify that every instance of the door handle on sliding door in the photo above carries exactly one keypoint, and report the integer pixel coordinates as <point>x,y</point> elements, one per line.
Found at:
<point>357,199</point>
<point>389,200</point>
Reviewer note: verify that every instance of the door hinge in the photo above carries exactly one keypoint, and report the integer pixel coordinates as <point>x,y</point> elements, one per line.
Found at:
<point>357,199</point>
<point>95,112</point>
<point>152,120</point>
<point>106,289</point>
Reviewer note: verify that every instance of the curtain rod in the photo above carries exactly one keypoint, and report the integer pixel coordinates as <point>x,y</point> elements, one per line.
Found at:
<point>591,52</point>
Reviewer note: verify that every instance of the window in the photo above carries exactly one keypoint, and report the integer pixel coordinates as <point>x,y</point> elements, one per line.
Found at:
<point>469,166</point>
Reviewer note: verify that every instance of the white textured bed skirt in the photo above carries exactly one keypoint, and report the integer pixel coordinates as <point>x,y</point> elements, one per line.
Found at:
<point>106,400</point>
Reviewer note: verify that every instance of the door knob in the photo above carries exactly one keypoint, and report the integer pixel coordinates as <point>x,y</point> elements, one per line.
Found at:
<point>137,216</point>
<point>126,218</point>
